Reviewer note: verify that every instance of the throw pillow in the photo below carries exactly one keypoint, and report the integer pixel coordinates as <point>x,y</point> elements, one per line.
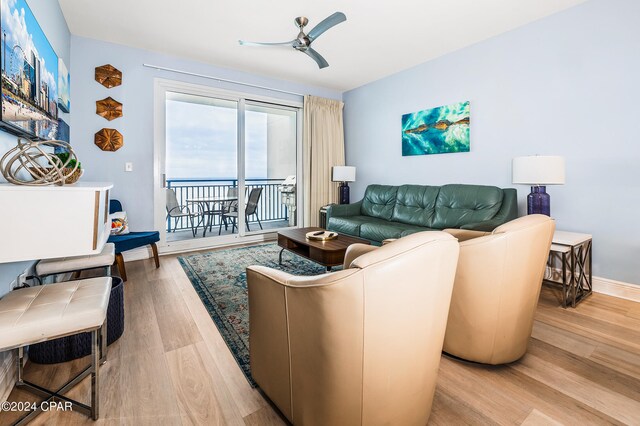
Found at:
<point>119,223</point>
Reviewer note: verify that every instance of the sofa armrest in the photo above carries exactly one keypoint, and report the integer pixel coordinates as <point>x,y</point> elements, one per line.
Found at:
<point>508,212</point>
<point>343,210</point>
<point>509,209</point>
<point>486,226</point>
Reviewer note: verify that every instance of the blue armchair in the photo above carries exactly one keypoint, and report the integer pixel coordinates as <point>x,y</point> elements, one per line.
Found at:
<point>131,241</point>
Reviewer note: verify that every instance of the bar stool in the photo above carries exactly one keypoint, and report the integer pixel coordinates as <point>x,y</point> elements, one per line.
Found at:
<point>37,314</point>
<point>77,264</point>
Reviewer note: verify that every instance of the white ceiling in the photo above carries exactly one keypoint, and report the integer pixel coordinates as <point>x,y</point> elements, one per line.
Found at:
<point>374,42</point>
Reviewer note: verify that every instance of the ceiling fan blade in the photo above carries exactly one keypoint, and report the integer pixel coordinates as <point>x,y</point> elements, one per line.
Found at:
<point>256,43</point>
<point>328,22</point>
<point>322,63</point>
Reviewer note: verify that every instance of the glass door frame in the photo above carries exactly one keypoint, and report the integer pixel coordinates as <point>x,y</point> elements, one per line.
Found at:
<point>161,87</point>
<point>299,116</point>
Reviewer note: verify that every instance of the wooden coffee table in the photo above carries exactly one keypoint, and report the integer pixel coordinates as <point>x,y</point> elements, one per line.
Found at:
<point>326,253</point>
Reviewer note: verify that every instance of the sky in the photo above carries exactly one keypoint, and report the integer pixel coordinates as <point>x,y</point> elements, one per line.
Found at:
<point>22,29</point>
<point>201,141</point>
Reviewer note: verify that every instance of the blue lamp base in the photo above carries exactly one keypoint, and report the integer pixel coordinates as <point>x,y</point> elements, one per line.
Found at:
<point>538,201</point>
<point>344,192</point>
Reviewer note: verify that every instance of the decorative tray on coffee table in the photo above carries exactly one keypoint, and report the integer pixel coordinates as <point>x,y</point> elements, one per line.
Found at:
<point>321,235</point>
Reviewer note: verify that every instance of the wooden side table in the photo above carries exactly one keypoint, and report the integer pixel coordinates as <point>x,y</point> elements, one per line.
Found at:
<point>572,252</point>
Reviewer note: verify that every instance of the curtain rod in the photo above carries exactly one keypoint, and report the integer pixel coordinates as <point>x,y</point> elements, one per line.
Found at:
<point>224,80</point>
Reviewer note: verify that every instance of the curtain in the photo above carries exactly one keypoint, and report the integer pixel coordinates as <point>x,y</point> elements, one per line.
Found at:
<point>323,148</point>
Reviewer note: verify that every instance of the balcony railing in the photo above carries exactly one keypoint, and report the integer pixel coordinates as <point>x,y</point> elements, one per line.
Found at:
<point>270,208</point>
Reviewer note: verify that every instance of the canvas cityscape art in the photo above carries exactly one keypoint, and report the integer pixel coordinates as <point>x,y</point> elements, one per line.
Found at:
<point>29,74</point>
<point>64,102</point>
<point>438,130</point>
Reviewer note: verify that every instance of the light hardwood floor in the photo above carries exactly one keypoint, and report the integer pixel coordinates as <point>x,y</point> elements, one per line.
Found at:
<point>171,367</point>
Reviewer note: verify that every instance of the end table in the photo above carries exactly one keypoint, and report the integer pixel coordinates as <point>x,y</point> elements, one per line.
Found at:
<point>572,252</point>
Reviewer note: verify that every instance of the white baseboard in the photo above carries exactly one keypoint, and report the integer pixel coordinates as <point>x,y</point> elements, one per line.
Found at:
<point>616,288</point>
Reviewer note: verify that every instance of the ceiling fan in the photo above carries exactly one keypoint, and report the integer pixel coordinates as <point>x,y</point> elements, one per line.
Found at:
<point>302,43</point>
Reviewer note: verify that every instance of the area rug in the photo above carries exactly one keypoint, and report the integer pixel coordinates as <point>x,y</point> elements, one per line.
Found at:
<point>220,279</point>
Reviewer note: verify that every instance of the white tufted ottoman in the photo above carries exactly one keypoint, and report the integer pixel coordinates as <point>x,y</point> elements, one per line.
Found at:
<point>61,265</point>
<point>47,312</point>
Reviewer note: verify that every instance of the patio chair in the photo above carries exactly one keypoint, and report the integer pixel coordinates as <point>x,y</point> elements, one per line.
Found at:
<point>131,241</point>
<point>250,210</point>
<point>229,206</point>
<point>177,212</point>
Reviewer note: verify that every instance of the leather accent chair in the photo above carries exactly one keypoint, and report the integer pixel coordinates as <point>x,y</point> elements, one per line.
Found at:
<point>496,291</point>
<point>332,349</point>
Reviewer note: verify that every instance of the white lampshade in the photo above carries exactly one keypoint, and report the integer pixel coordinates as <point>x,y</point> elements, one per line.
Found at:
<point>344,174</point>
<point>538,170</point>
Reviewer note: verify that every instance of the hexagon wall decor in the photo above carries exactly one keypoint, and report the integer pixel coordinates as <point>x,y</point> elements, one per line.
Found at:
<point>109,139</point>
<point>109,76</point>
<point>109,108</point>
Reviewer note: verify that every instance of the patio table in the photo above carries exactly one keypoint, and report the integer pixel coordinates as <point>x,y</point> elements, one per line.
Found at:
<point>208,204</point>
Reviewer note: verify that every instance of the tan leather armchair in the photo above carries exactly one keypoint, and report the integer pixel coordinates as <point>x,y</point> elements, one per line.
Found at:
<point>357,346</point>
<point>496,290</point>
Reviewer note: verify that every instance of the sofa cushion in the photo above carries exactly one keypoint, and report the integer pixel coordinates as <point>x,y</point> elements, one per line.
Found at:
<point>379,201</point>
<point>378,230</point>
<point>415,204</point>
<point>347,224</point>
<point>458,205</point>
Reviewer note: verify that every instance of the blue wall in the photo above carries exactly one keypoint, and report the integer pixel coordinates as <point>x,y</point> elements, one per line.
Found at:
<point>135,189</point>
<point>50,18</point>
<point>565,85</point>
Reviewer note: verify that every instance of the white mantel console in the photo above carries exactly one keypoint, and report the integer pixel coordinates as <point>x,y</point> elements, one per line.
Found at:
<point>53,221</point>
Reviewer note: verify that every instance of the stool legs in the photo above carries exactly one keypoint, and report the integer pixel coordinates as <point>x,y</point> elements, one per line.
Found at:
<point>103,343</point>
<point>20,365</point>
<point>98,357</point>
<point>96,335</point>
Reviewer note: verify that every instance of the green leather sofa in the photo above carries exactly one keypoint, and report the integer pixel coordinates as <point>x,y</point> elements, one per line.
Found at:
<point>395,211</point>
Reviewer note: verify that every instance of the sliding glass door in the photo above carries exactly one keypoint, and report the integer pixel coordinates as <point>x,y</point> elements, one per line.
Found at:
<point>228,165</point>
<point>270,166</point>
<point>201,164</point>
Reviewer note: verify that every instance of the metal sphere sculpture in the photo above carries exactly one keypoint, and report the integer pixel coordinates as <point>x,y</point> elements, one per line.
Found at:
<point>45,168</point>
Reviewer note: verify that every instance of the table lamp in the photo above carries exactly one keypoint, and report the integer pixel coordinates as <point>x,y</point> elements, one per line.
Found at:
<point>538,171</point>
<point>344,175</point>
